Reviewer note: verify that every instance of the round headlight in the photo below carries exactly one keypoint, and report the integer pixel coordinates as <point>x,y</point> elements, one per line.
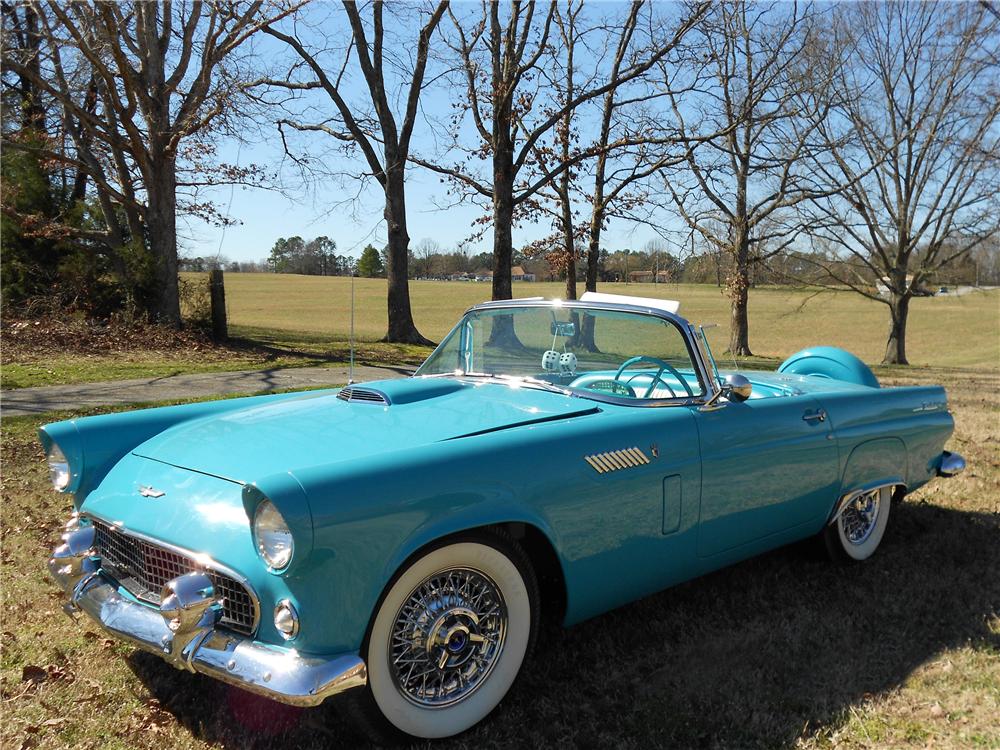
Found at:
<point>272,536</point>
<point>58,468</point>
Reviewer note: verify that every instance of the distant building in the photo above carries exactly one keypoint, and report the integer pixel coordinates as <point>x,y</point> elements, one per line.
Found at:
<point>882,287</point>
<point>646,277</point>
<point>517,273</point>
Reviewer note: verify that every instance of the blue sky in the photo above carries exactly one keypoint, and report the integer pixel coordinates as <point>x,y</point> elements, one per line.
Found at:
<point>313,210</point>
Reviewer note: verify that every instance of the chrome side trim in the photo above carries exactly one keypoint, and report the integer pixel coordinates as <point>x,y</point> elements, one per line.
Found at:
<point>202,559</point>
<point>850,497</point>
<point>952,464</point>
<point>625,458</point>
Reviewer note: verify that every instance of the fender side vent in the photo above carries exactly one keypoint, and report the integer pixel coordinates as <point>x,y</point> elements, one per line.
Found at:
<point>614,460</point>
<point>363,395</point>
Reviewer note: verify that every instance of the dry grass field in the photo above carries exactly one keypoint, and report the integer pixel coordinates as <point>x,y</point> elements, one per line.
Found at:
<point>784,651</point>
<point>954,331</point>
<point>292,321</point>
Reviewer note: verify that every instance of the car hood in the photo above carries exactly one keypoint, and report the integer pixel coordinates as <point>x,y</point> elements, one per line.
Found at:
<point>322,428</point>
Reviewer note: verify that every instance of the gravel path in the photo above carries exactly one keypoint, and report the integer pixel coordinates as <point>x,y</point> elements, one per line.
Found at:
<point>23,401</point>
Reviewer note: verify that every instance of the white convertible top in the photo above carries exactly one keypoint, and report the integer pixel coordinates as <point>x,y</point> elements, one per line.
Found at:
<point>670,305</point>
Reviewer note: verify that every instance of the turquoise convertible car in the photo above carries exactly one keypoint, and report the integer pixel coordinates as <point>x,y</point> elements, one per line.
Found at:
<point>396,541</point>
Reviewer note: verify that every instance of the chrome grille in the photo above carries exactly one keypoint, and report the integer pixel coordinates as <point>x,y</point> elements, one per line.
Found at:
<point>362,394</point>
<point>143,568</point>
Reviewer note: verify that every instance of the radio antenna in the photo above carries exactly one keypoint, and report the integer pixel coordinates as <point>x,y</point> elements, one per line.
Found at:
<point>350,372</point>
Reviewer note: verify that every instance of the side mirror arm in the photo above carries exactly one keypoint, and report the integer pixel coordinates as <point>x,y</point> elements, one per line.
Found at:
<point>735,388</point>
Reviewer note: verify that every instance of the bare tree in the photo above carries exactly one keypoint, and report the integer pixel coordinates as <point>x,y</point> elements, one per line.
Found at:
<point>500,54</point>
<point>635,140</point>
<point>632,142</point>
<point>753,101</point>
<point>384,143</point>
<point>135,81</point>
<point>913,146</point>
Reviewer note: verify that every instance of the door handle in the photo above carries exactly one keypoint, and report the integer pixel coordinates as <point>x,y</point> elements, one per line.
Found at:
<point>814,416</point>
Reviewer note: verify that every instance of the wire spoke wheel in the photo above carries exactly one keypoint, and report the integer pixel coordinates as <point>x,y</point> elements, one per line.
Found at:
<point>857,532</point>
<point>860,517</point>
<point>447,637</point>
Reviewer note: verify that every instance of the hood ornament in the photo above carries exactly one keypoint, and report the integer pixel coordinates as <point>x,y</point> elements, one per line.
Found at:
<point>147,491</point>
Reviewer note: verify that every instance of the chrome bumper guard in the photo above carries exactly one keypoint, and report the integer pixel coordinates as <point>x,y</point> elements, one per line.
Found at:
<point>182,631</point>
<point>952,464</point>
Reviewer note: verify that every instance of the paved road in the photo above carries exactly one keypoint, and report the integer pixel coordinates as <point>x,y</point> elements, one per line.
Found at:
<point>22,401</point>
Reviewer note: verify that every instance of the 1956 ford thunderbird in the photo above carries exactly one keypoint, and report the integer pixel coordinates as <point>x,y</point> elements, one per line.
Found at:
<point>395,541</point>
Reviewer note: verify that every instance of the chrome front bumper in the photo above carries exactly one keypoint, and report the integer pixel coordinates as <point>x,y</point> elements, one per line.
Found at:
<point>182,631</point>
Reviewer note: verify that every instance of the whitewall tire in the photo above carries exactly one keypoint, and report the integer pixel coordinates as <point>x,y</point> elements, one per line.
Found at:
<point>859,528</point>
<point>449,638</point>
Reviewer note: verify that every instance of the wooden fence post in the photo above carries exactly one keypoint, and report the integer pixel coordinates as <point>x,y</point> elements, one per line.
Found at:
<point>217,289</point>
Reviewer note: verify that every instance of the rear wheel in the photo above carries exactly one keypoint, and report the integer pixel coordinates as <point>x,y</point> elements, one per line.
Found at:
<point>859,528</point>
<point>448,639</point>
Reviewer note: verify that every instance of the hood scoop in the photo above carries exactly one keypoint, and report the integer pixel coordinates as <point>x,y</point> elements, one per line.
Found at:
<point>403,391</point>
<point>363,395</point>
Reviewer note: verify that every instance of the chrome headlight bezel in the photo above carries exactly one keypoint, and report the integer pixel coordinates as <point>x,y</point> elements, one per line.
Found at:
<point>286,619</point>
<point>272,537</point>
<point>60,472</point>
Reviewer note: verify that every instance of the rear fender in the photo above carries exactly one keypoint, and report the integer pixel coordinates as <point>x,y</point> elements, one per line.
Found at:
<point>871,465</point>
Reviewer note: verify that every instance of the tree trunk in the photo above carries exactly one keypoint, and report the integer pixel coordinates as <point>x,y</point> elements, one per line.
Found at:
<point>503,218</point>
<point>502,334</point>
<point>587,340</point>
<point>895,348</point>
<point>593,252</point>
<point>402,329</point>
<point>161,237</point>
<point>739,285</point>
<point>568,240</point>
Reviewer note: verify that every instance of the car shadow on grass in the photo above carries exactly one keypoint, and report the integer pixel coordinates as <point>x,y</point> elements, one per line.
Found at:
<point>755,655</point>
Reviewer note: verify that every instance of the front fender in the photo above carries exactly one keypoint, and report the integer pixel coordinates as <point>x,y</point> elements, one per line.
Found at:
<point>491,512</point>
<point>93,445</point>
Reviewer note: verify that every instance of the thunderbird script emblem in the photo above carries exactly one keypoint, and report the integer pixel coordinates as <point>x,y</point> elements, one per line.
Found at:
<point>146,491</point>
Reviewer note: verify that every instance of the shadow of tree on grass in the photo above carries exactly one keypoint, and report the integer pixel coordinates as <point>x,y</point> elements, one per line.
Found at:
<point>749,656</point>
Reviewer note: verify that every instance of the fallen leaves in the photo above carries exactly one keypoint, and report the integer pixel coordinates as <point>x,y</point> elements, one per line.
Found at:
<point>49,673</point>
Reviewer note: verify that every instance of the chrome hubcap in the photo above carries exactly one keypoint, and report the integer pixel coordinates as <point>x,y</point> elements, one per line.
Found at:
<point>447,637</point>
<point>858,519</point>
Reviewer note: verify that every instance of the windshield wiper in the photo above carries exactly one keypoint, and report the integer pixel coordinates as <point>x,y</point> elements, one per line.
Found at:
<point>518,380</point>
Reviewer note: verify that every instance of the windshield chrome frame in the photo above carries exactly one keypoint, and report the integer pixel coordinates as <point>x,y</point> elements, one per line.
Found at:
<point>710,385</point>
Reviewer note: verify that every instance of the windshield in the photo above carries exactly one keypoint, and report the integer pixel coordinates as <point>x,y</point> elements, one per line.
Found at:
<point>590,351</point>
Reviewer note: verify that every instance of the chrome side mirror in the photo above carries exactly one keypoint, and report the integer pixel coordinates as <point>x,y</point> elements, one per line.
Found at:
<point>737,388</point>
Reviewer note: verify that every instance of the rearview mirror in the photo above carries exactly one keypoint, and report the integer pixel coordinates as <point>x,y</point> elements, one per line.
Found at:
<point>562,329</point>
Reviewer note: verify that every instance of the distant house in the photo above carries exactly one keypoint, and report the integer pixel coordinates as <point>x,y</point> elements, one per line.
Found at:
<point>646,277</point>
<point>882,287</point>
<point>484,274</point>
<point>517,273</point>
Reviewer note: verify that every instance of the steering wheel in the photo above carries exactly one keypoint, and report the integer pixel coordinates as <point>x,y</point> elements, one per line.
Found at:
<point>657,378</point>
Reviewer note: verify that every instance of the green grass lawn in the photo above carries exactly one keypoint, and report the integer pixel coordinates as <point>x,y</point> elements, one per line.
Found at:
<point>289,321</point>
<point>783,651</point>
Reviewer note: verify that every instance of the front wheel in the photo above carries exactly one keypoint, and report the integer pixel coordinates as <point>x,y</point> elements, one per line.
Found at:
<point>859,528</point>
<point>448,639</point>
